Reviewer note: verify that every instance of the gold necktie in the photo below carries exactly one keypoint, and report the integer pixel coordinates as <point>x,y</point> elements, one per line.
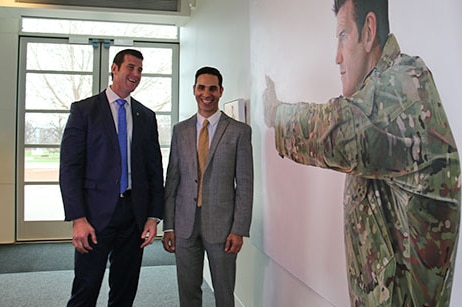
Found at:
<point>202,152</point>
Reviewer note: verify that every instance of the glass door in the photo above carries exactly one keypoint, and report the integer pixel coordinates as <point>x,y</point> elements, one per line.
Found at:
<point>54,72</point>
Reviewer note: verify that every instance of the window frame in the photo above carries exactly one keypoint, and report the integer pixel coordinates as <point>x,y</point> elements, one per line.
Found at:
<point>59,230</point>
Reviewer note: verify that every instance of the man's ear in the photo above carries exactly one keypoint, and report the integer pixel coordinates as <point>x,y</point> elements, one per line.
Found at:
<point>369,33</point>
<point>113,67</point>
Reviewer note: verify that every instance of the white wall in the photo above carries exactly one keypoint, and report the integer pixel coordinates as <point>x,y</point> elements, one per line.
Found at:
<point>299,219</point>
<point>218,35</point>
<point>293,42</point>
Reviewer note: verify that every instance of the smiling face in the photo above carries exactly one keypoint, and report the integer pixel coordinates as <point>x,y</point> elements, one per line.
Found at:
<point>126,78</point>
<point>352,51</point>
<point>208,92</point>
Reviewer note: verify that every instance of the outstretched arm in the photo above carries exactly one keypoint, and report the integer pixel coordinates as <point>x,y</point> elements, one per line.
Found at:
<point>270,102</point>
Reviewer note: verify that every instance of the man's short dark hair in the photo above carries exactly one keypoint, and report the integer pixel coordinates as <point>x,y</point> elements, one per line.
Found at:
<point>209,71</point>
<point>361,8</point>
<point>120,56</point>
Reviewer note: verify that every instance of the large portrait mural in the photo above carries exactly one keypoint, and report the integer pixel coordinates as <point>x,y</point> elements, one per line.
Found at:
<point>361,176</point>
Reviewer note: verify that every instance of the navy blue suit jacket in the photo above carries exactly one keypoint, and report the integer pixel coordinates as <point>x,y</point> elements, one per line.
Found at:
<point>90,165</point>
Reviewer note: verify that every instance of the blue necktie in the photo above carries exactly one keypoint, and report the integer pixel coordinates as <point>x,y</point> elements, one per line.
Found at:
<point>122,134</point>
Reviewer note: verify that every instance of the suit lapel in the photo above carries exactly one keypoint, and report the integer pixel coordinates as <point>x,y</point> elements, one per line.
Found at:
<point>221,128</point>
<point>135,118</point>
<point>191,140</point>
<point>108,120</point>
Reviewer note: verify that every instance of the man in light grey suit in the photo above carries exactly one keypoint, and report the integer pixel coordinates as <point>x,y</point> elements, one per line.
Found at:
<point>217,221</point>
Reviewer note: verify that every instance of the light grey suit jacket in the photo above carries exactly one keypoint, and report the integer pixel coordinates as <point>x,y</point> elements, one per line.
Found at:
<point>227,185</point>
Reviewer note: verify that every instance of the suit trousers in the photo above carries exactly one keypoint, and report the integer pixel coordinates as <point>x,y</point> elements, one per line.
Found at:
<point>189,254</point>
<point>120,242</point>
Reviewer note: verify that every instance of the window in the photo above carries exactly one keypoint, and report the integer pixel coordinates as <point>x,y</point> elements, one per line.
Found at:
<point>54,72</point>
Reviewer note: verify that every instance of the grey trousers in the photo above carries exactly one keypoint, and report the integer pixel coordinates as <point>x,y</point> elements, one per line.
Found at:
<point>189,255</point>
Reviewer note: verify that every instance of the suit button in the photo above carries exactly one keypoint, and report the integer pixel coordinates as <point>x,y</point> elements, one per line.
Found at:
<point>195,199</point>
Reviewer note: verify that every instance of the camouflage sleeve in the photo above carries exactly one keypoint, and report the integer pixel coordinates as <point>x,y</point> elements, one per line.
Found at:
<point>317,134</point>
<point>385,130</point>
<point>394,128</point>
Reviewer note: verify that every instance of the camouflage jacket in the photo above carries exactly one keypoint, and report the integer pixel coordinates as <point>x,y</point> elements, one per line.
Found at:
<point>402,190</point>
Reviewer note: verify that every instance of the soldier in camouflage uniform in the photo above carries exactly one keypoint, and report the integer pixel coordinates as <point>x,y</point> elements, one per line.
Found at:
<point>390,135</point>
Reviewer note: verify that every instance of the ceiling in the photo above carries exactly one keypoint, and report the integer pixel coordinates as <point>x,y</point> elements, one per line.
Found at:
<point>155,5</point>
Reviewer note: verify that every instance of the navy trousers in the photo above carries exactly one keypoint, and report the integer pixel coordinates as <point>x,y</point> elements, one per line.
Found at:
<point>120,243</point>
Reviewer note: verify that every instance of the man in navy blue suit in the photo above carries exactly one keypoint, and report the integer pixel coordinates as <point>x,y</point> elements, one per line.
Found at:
<point>112,217</point>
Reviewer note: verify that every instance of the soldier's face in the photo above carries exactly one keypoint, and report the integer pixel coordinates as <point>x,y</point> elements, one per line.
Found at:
<point>351,51</point>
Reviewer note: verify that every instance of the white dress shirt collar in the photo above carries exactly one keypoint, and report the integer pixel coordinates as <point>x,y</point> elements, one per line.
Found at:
<point>112,96</point>
<point>213,120</point>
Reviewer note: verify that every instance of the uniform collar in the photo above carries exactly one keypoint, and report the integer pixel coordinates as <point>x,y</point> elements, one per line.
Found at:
<point>390,52</point>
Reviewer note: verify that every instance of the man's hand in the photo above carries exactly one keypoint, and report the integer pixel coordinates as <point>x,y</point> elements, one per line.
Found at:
<point>169,241</point>
<point>233,244</point>
<point>82,231</point>
<point>270,102</point>
<point>149,233</point>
